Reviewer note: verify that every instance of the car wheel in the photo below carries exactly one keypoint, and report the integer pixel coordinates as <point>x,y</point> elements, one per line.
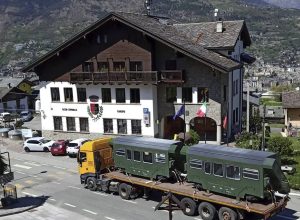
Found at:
<point>27,149</point>
<point>91,184</point>
<point>189,206</point>
<point>46,149</point>
<point>207,211</point>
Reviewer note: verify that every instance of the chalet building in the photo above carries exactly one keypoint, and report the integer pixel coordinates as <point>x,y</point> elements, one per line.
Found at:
<point>129,74</point>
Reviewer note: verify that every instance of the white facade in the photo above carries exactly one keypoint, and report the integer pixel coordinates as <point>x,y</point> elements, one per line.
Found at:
<point>127,111</point>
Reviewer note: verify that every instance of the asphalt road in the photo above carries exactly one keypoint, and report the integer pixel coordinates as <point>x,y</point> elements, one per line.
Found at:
<point>39,173</point>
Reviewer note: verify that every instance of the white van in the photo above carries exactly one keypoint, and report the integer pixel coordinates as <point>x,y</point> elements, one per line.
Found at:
<point>5,116</point>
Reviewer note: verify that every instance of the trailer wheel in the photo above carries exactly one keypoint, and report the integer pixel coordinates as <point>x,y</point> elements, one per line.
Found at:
<point>189,206</point>
<point>125,191</point>
<point>227,214</point>
<point>91,183</point>
<point>207,211</point>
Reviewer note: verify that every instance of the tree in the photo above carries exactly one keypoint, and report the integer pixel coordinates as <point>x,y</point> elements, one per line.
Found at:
<point>3,165</point>
<point>195,138</point>
<point>255,121</point>
<point>248,140</point>
<point>280,145</point>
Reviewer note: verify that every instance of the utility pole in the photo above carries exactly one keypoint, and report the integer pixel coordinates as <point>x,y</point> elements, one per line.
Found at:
<point>248,108</point>
<point>264,132</point>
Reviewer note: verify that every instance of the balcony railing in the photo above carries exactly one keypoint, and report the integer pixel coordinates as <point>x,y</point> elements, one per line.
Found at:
<point>106,77</point>
<point>171,76</point>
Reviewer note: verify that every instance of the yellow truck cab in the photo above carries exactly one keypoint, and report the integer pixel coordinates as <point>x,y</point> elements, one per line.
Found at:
<point>94,157</point>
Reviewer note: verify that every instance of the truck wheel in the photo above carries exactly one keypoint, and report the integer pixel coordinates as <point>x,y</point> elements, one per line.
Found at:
<point>27,149</point>
<point>91,184</point>
<point>125,191</point>
<point>227,214</point>
<point>46,149</point>
<point>189,206</point>
<point>207,211</point>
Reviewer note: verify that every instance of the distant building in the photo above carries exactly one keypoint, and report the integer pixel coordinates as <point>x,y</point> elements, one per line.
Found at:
<point>291,105</point>
<point>128,74</point>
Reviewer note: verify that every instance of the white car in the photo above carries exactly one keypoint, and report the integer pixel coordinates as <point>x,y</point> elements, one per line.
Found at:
<point>73,146</point>
<point>37,144</point>
<point>5,116</point>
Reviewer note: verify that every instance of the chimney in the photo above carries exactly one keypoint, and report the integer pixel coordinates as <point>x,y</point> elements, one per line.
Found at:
<point>220,26</point>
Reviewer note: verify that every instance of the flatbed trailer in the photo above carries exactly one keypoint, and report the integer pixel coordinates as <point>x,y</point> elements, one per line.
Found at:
<point>187,190</point>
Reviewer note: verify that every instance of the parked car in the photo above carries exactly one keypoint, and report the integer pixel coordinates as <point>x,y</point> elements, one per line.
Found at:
<point>73,146</point>
<point>5,116</point>
<point>37,144</point>
<point>59,147</point>
<point>26,116</point>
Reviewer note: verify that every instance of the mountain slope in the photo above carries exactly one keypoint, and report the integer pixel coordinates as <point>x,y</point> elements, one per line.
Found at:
<point>30,28</point>
<point>285,3</point>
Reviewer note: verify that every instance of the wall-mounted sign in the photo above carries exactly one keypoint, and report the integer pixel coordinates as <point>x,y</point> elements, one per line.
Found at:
<point>94,98</point>
<point>95,111</point>
<point>120,111</point>
<point>146,117</point>
<point>70,109</point>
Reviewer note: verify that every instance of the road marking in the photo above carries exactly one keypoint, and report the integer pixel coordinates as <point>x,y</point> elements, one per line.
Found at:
<point>59,167</point>
<point>294,194</point>
<point>18,159</point>
<point>33,164</point>
<point>198,218</point>
<point>55,182</point>
<point>20,172</point>
<point>74,187</point>
<point>29,194</point>
<point>88,211</point>
<point>29,182</point>
<point>109,218</point>
<point>22,166</point>
<point>52,199</point>
<point>285,217</point>
<point>129,201</point>
<point>68,204</point>
<point>101,194</point>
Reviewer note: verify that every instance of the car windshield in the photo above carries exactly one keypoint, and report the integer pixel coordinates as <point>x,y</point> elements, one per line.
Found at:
<point>24,114</point>
<point>44,141</point>
<point>72,145</point>
<point>56,145</point>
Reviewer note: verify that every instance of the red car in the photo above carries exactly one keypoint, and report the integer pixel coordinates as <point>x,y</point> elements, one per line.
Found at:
<point>59,147</point>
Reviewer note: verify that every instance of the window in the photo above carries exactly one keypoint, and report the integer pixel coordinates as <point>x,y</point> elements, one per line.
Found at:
<point>81,157</point>
<point>233,172</point>
<point>202,95</point>
<point>68,94</point>
<point>171,65</point>
<point>236,114</point>
<point>171,93</point>
<point>251,174</point>
<point>136,127</point>
<point>103,66</point>
<point>134,95</point>
<point>122,126</point>
<point>33,142</point>
<point>128,154</point>
<point>197,164</point>
<point>108,126</point>
<point>106,95</point>
<point>136,66</point>
<point>55,94</point>
<point>160,158</point>
<point>187,94</point>
<point>237,87</point>
<point>88,67</point>
<point>71,124</point>
<point>233,118</point>
<point>81,93</point>
<point>147,157</point>
<point>224,93</point>
<point>84,124</point>
<point>120,152</point>
<point>57,123</point>
<point>136,156</point>
<point>233,88</point>
<point>218,169</point>
<point>119,66</point>
<point>120,95</point>
<point>207,167</point>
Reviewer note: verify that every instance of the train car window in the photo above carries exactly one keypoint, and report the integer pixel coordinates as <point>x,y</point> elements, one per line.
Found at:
<point>233,172</point>
<point>147,157</point>
<point>120,152</point>
<point>250,174</point>
<point>129,155</point>
<point>218,169</point>
<point>196,164</point>
<point>207,167</point>
<point>160,158</point>
<point>136,156</point>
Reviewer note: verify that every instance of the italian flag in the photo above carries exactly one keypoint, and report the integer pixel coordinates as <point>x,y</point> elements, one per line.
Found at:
<point>202,111</point>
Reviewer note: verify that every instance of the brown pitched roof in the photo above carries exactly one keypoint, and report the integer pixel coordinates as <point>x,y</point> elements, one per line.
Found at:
<point>205,34</point>
<point>151,26</point>
<point>291,99</point>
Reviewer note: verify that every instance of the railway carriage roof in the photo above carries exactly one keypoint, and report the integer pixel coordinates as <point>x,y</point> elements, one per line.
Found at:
<point>145,142</point>
<point>231,154</point>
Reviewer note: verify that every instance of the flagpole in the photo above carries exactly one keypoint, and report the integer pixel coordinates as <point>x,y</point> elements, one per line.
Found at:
<point>184,121</point>
<point>227,138</point>
<point>205,128</point>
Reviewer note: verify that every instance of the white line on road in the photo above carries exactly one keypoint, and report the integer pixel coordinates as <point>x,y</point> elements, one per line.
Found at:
<point>101,194</point>
<point>133,202</point>
<point>18,159</point>
<point>33,164</point>
<point>59,167</point>
<point>52,199</point>
<point>294,194</point>
<point>22,166</point>
<point>198,218</point>
<point>20,172</point>
<point>88,211</point>
<point>29,194</point>
<point>68,204</point>
<point>55,182</point>
<point>74,187</point>
<point>109,218</point>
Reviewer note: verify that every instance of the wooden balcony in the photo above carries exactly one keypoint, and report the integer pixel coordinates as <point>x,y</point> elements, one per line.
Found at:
<point>109,77</point>
<point>171,76</point>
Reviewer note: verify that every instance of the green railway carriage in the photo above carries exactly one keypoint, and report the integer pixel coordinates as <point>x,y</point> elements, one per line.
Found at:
<point>147,157</point>
<point>234,171</point>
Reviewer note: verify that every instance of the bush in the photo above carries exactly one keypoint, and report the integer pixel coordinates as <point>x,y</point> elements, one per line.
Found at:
<point>195,138</point>
<point>280,145</point>
<point>248,140</point>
